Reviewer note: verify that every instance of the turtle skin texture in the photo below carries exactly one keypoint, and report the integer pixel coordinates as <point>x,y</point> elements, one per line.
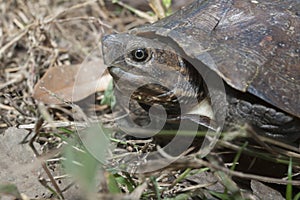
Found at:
<point>243,57</point>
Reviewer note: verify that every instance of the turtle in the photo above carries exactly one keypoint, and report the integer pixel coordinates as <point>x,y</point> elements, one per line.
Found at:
<point>234,61</point>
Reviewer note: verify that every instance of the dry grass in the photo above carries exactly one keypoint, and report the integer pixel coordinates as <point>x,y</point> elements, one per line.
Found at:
<point>41,34</point>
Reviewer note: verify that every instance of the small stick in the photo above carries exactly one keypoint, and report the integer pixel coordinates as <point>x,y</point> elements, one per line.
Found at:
<point>37,128</point>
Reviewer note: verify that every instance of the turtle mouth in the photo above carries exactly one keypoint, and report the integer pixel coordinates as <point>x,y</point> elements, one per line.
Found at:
<point>129,74</point>
<point>117,73</point>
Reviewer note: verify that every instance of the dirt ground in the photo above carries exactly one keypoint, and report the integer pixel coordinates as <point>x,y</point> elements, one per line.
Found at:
<point>40,155</point>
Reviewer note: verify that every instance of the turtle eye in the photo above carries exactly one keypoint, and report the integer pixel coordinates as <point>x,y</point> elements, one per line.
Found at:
<point>140,55</point>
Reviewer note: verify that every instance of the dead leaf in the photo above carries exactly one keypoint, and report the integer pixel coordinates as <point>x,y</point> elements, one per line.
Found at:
<point>71,83</point>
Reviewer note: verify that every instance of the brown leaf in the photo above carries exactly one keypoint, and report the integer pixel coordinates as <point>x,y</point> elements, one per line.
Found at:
<point>71,83</point>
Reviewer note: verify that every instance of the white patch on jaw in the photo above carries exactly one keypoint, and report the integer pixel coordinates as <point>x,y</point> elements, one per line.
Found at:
<point>203,108</point>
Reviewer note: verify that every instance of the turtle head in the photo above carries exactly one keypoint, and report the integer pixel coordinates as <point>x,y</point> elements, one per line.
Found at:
<point>151,72</point>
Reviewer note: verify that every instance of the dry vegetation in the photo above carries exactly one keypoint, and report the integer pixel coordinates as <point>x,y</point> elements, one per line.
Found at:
<point>42,34</point>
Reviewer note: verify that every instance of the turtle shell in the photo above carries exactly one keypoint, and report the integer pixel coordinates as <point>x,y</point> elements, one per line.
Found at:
<point>253,45</point>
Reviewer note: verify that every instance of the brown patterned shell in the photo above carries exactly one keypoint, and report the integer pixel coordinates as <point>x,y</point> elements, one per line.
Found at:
<point>253,45</point>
